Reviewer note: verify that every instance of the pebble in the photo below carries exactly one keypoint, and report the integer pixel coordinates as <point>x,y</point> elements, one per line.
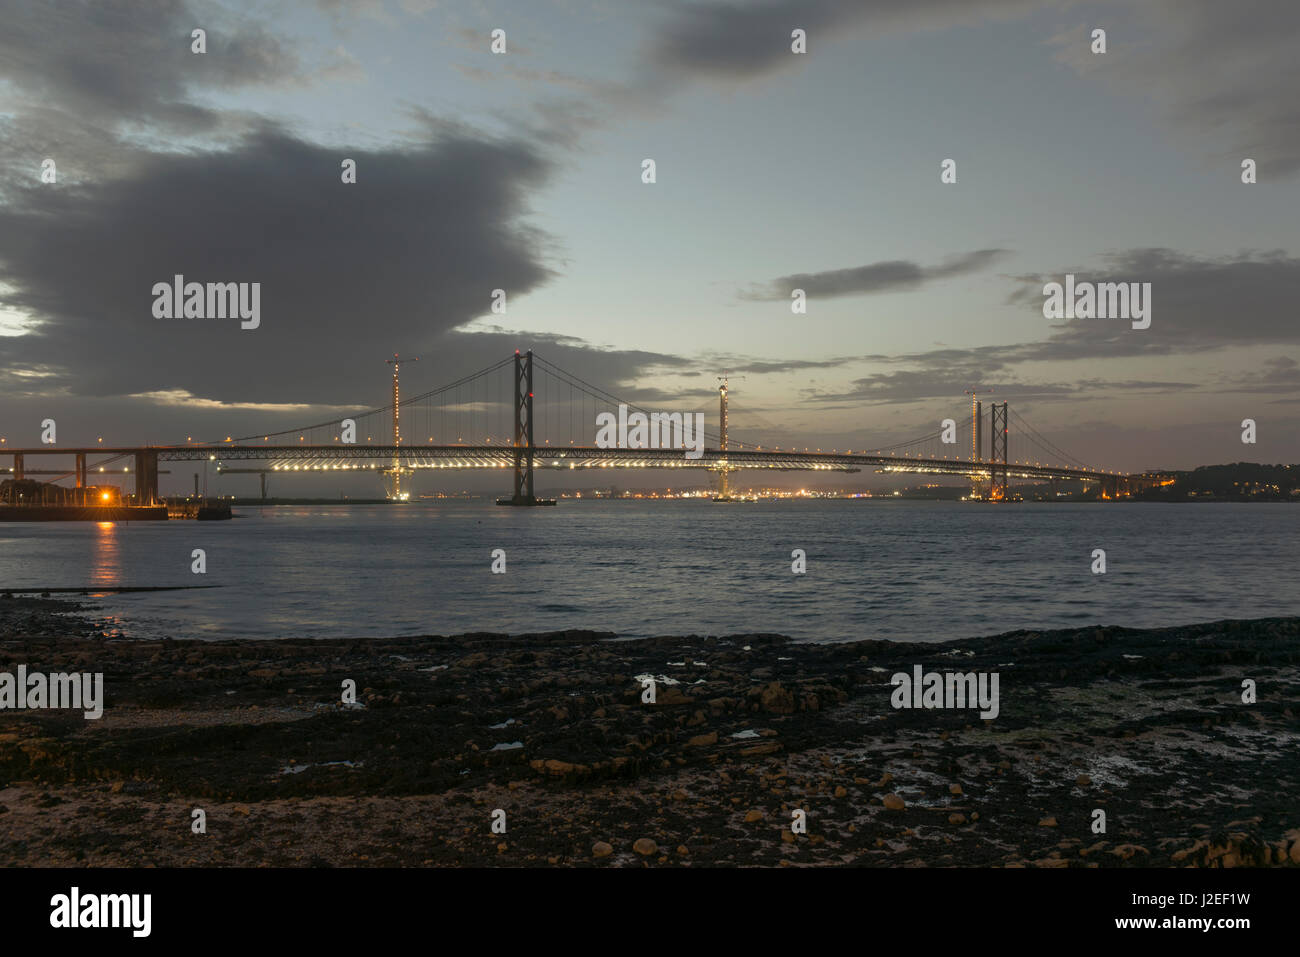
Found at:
<point>894,803</point>
<point>601,849</point>
<point>645,847</point>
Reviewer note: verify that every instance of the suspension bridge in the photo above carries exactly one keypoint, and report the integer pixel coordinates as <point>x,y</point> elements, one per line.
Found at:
<point>524,414</point>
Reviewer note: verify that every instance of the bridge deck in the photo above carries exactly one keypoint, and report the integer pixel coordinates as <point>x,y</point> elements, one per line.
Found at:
<point>291,458</point>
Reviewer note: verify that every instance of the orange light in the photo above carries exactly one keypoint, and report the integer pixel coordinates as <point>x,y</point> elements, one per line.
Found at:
<point>103,496</point>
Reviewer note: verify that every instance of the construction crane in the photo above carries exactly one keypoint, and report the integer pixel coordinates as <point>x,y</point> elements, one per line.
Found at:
<point>976,436</point>
<point>975,416</point>
<point>396,362</point>
<point>724,494</point>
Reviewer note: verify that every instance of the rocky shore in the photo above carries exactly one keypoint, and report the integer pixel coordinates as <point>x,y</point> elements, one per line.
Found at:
<point>1148,726</point>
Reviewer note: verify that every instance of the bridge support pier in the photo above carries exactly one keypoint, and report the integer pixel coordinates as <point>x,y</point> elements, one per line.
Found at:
<point>18,467</point>
<point>146,477</point>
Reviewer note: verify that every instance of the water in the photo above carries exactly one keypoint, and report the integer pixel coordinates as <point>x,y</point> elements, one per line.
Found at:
<point>876,568</point>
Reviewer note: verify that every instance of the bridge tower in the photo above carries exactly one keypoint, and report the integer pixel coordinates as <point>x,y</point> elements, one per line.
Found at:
<point>998,452</point>
<point>524,435</point>
<point>396,471</point>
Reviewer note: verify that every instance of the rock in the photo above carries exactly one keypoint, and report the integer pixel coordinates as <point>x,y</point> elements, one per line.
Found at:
<point>841,791</point>
<point>776,699</point>
<point>1126,851</point>
<point>894,803</point>
<point>601,849</point>
<point>1083,781</point>
<point>679,795</point>
<point>753,816</point>
<point>703,740</point>
<point>682,850</point>
<point>956,818</point>
<point>787,836</point>
<point>557,768</point>
<point>645,847</point>
<point>1047,822</point>
<point>671,696</point>
<point>954,789</point>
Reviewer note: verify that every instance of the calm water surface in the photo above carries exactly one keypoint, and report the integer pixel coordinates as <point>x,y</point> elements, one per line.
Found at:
<point>876,569</point>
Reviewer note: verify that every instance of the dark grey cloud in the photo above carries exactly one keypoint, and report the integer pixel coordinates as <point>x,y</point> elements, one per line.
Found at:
<point>1197,304</point>
<point>890,276</point>
<point>391,263</point>
<point>777,366</point>
<point>131,60</point>
<point>739,40</point>
<point>1277,375</point>
<point>945,382</point>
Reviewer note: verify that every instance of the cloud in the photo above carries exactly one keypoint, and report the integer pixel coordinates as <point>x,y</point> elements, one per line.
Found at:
<point>125,60</point>
<point>391,263</point>
<point>1225,74</point>
<point>741,40</point>
<point>890,276</point>
<point>943,382</point>
<point>1197,304</point>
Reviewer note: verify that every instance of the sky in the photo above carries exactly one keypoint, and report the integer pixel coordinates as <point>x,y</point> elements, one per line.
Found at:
<point>774,170</point>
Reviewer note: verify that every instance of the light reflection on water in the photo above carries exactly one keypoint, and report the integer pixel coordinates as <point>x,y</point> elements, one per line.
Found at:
<point>106,555</point>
